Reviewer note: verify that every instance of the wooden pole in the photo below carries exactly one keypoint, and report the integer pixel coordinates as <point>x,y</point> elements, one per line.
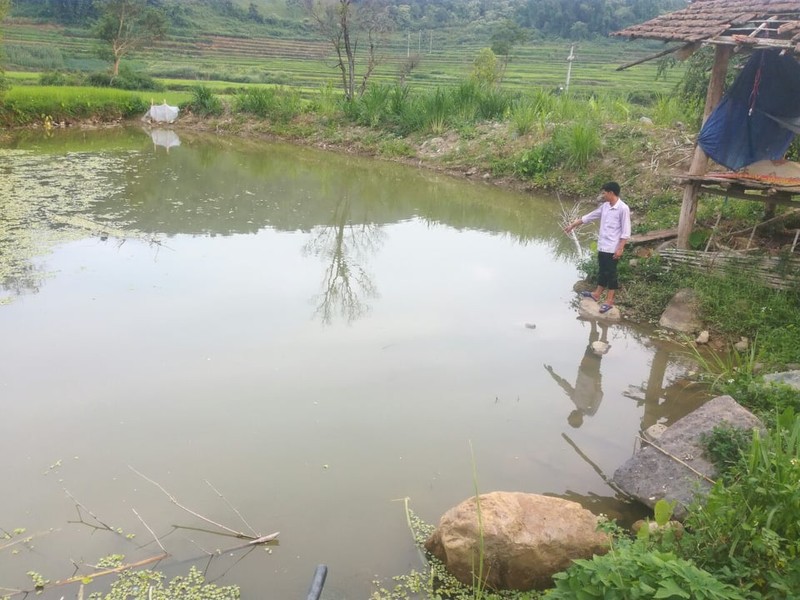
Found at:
<point>716,86</point>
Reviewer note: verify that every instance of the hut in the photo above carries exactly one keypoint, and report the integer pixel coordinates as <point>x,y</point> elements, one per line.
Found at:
<point>769,30</point>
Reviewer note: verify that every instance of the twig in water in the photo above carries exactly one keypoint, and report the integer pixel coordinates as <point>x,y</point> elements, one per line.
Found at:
<point>79,506</point>
<point>155,537</point>
<point>233,508</point>
<point>26,539</point>
<point>174,500</point>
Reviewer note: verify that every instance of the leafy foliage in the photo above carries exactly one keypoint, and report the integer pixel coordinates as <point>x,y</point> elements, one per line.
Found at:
<point>205,102</point>
<point>725,446</point>
<point>628,573</point>
<point>747,532</point>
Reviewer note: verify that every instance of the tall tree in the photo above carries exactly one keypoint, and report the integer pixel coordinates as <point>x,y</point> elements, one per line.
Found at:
<point>345,23</point>
<point>127,25</point>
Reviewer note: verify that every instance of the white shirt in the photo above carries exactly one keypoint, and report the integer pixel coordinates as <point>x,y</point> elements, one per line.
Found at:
<point>615,224</point>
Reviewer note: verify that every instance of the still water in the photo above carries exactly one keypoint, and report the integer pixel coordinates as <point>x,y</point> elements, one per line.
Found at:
<point>305,337</point>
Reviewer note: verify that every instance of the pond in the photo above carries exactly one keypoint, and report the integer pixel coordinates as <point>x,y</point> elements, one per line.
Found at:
<point>291,340</point>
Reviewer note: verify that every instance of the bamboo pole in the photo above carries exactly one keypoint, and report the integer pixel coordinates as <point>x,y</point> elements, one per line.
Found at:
<point>716,85</point>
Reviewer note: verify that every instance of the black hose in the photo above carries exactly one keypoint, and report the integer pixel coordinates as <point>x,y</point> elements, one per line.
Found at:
<point>319,580</point>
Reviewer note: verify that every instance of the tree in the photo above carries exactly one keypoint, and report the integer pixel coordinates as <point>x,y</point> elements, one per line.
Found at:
<point>126,26</point>
<point>505,36</point>
<point>344,23</point>
<point>486,69</point>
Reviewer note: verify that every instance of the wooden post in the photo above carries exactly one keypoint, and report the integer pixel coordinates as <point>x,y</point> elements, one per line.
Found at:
<point>716,85</point>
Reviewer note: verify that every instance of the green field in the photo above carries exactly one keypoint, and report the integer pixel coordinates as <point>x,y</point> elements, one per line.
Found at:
<point>446,56</point>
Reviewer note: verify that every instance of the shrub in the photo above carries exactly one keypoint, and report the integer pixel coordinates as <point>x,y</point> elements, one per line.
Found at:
<point>269,103</point>
<point>748,532</point>
<point>579,142</point>
<point>57,78</point>
<point>540,159</point>
<point>204,102</point>
<point>631,572</point>
<point>725,446</point>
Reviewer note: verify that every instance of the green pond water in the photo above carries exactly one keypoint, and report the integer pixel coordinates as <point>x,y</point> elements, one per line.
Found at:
<point>317,336</point>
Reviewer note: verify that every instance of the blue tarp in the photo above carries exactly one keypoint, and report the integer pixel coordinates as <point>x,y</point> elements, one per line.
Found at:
<point>755,118</point>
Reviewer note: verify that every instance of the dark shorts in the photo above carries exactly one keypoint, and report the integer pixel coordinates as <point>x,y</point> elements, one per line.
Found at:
<point>607,277</point>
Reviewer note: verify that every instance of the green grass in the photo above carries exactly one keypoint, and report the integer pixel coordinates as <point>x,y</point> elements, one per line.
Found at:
<point>28,104</point>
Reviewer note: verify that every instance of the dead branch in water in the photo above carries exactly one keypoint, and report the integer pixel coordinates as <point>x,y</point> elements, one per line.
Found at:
<point>79,506</point>
<point>174,500</point>
<point>233,508</point>
<point>25,539</point>
<point>155,537</point>
<point>110,570</point>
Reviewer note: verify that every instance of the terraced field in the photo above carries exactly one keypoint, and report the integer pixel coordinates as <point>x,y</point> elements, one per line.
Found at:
<point>309,63</point>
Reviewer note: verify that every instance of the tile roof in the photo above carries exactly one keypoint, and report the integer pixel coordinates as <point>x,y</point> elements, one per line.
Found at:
<point>771,23</point>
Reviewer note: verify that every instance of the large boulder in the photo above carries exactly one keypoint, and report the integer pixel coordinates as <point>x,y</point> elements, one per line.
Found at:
<point>682,313</point>
<point>527,538</point>
<point>674,467</point>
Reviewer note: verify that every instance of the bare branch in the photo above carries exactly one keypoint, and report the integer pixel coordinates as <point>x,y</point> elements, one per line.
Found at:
<point>155,537</point>
<point>233,508</point>
<point>174,500</point>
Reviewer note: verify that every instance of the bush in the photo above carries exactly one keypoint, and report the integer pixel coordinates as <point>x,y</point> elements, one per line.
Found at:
<point>748,532</point>
<point>538,160</point>
<point>126,80</point>
<point>57,78</point>
<point>269,103</point>
<point>632,572</point>
<point>204,102</point>
<point>725,445</point>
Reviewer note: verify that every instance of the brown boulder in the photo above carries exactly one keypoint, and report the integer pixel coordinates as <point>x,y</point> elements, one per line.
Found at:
<point>527,538</point>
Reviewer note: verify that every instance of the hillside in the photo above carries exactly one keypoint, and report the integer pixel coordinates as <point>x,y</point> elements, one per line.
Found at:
<point>274,42</point>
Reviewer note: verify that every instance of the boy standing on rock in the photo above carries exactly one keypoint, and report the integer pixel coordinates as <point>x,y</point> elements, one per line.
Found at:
<point>613,234</point>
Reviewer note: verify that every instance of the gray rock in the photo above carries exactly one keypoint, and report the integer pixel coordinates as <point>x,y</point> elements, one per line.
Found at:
<point>790,378</point>
<point>742,345</point>
<point>703,337</point>
<point>682,313</point>
<point>589,309</point>
<point>651,475</point>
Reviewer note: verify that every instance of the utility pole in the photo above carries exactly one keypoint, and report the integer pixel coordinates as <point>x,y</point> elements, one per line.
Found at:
<point>408,45</point>
<point>570,60</point>
<point>419,43</point>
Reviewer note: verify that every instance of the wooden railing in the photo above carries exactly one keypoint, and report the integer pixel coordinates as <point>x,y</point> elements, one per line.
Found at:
<point>778,272</point>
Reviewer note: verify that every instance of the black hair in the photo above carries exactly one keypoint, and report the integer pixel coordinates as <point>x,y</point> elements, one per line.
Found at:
<point>611,186</point>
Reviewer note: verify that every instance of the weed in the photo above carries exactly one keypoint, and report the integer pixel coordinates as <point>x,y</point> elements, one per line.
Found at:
<point>205,102</point>
<point>725,446</point>
<point>747,532</point>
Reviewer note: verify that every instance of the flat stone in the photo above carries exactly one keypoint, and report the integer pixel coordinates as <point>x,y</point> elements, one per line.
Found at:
<point>589,309</point>
<point>790,378</point>
<point>651,475</point>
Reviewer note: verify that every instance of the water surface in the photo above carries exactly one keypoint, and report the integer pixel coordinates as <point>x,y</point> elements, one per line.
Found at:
<point>318,336</point>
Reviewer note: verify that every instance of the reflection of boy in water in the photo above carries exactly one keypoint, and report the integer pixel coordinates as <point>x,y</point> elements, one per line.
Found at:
<point>588,392</point>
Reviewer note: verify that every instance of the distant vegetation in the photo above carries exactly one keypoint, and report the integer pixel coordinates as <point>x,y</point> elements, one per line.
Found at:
<point>274,42</point>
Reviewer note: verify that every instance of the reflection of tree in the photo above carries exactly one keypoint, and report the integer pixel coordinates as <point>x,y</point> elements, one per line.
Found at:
<point>346,285</point>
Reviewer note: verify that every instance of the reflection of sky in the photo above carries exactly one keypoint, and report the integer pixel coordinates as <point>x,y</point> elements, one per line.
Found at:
<point>203,360</point>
